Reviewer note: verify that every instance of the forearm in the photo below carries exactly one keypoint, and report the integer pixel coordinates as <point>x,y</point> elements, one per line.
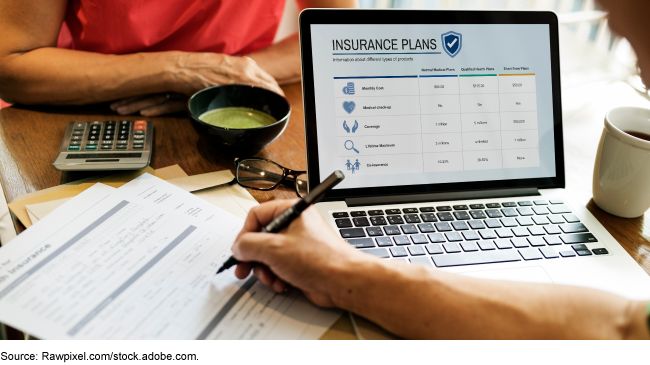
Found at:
<point>281,60</point>
<point>415,302</point>
<point>60,76</point>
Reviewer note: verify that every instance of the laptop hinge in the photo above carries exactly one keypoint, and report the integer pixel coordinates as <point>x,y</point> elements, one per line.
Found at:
<point>436,197</point>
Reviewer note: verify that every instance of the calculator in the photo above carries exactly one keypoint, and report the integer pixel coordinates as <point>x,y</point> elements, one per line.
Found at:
<point>105,145</point>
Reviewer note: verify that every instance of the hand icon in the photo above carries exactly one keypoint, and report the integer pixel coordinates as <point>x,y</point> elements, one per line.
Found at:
<point>355,126</point>
<point>345,126</point>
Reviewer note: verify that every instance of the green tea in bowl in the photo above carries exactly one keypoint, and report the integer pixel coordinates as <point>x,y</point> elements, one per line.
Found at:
<point>237,118</point>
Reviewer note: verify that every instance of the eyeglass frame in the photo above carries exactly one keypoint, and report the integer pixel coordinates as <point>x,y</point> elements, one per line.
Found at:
<point>288,175</point>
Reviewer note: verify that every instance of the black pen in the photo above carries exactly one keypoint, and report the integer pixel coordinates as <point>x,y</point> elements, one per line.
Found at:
<point>284,219</point>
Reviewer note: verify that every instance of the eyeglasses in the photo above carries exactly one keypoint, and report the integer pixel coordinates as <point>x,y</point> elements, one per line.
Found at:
<point>262,174</point>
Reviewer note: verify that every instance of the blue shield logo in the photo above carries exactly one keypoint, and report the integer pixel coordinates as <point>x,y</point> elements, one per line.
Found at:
<point>451,43</point>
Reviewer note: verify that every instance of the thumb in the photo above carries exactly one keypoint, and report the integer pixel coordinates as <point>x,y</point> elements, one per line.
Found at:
<point>264,248</point>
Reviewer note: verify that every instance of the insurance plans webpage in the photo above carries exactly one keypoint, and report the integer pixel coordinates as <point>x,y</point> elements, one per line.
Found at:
<point>426,104</point>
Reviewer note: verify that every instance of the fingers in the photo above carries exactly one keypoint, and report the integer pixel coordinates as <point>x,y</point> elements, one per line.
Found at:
<point>170,106</point>
<point>151,105</point>
<point>257,247</point>
<point>266,276</point>
<point>263,214</point>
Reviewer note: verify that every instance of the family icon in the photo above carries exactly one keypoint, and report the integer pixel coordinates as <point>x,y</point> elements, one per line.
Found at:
<point>353,166</point>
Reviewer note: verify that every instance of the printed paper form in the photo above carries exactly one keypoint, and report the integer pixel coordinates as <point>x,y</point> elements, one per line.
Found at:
<point>109,266</point>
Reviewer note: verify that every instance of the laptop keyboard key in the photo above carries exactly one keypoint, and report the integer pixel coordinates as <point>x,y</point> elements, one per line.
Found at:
<point>548,252</point>
<point>540,202</point>
<point>567,254</point>
<point>401,240</point>
<point>556,219</point>
<point>583,252</point>
<point>477,206</point>
<point>434,249</point>
<point>412,218</point>
<point>395,219</point>
<point>509,212</point>
<point>360,222</point>
<point>375,212</point>
<point>410,210</point>
<point>571,218</point>
<point>379,252</point>
<point>536,241</point>
<point>580,246</point>
<point>374,231</point>
<point>436,237</point>
<point>471,235</point>
<point>493,205</point>
<point>578,238</point>
<point>493,223</point>
<point>553,240</point>
<point>427,209</point>
<point>525,221</point>
<point>421,261</point>
<point>503,244</point>
<point>426,227</point>
<point>460,207</point>
<point>460,225</point>
<point>340,214</point>
<point>525,203</point>
<point>352,232</point>
<point>540,220</point>
<point>419,239</point>
<point>343,223</point>
<point>477,214</point>
<point>530,254</point>
<point>476,224</point>
<point>475,258</point>
<point>487,234</point>
<point>600,251</point>
<point>503,232</point>
<point>398,251</point>
<point>378,221</point>
<point>486,245</point>
<point>493,213</point>
<point>462,215</point>
<point>384,241</point>
<point>559,209</point>
<point>391,230</point>
<point>525,211</point>
<point>552,230</point>
<point>428,217</point>
<point>409,229</point>
<point>536,231</point>
<point>416,250</point>
<point>444,208</point>
<point>519,242</point>
<point>453,236</point>
<point>362,242</point>
<point>445,216</point>
<point>393,211</point>
<point>509,204</point>
<point>358,214</point>
<point>520,231</point>
<point>509,222</point>
<point>540,210</point>
<point>469,246</point>
<point>573,228</point>
<point>442,227</point>
<point>451,247</point>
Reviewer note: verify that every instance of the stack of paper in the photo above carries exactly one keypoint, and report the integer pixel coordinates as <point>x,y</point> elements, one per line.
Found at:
<point>138,262</point>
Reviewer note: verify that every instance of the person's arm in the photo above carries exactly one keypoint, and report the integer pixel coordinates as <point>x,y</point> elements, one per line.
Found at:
<point>34,71</point>
<point>414,301</point>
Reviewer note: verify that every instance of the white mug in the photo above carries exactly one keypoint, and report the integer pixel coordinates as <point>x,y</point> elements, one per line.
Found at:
<point>621,183</point>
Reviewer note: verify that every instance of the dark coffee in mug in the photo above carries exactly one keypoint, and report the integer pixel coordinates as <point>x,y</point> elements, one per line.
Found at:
<point>640,135</point>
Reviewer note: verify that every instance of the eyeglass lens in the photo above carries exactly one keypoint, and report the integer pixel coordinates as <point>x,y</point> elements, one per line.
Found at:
<point>258,174</point>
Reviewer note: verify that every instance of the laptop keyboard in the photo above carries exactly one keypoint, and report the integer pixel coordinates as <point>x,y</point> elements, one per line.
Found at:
<point>470,234</point>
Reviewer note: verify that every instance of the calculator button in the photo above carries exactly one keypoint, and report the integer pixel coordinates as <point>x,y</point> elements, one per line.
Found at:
<point>107,142</point>
<point>93,138</point>
<point>75,143</point>
<point>139,136</point>
<point>140,127</point>
<point>138,146</point>
<point>73,148</point>
<point>95,127</point>
<point>78,133</point>
<point>75,138</point>
<point>123,137</point>
<point>91,147</point>
<point>110,127</point>
<point>109,131</point>
<point>108,137</point>
<point>80,126</point>
<point>137,133</point>
<point>107,147</point>
<point>122,142</point>
<point>91,142</point>
<point>121,146</point>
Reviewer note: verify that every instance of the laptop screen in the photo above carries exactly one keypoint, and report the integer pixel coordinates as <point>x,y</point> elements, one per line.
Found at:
<point>426,104</point>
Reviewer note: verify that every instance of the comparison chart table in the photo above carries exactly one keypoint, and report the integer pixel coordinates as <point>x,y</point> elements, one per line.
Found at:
<point>389,124</point>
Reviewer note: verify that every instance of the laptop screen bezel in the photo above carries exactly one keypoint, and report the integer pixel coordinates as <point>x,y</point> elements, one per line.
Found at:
<point>375,16</point>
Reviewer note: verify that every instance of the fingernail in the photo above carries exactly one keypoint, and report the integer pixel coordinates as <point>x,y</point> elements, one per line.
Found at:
<point>113,106</point>
<point>145,113</point>
<point>122,110</point>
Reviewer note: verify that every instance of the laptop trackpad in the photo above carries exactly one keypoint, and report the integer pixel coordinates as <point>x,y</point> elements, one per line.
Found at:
<point>534,274</point>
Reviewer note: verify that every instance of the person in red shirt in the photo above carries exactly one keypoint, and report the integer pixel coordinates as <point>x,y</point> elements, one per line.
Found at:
<point>147,56</point>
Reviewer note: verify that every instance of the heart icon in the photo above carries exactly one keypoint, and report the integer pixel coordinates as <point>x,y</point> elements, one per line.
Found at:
<point>349,106</point>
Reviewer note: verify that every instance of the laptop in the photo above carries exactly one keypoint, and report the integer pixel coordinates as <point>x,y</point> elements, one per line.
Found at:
<point>448,127</point>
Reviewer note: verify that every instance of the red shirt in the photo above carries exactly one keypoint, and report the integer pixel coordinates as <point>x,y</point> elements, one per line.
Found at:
<point>130,26</point>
